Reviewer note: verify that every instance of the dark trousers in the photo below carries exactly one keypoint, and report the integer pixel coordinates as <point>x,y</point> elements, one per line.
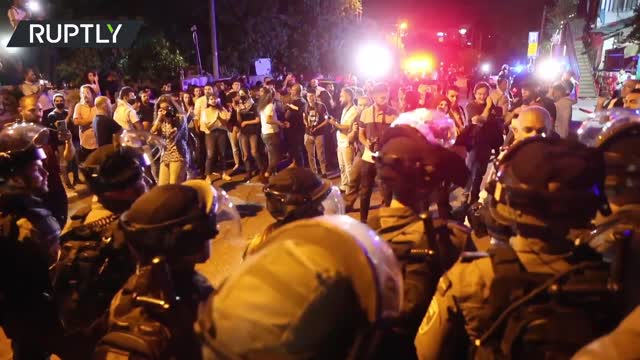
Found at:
<point>477,162</point>
<point>367,181</point>
<point>216,142</point>
<point>272,143</point>
<point>295,147</point>
<point>250,149</point>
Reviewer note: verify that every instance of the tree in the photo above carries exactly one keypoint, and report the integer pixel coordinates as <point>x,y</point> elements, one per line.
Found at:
<point>557,15</point>
<point>634,35</point>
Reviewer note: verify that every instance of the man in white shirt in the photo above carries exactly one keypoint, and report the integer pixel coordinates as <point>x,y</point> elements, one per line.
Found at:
<point>344,127</point>
<point>560,96</point>
<point>125,115</point>
<point>374,121</point>
<point>201,104</point>
<point>500,96</point>
<point>30,86</point>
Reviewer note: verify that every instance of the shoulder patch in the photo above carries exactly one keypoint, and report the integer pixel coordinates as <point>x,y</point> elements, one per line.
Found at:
<point>429,317</point>
<point>444,284</point>
<point>25,229</point>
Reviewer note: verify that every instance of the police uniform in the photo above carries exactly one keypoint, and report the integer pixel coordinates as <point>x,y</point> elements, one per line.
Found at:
<point>468,300</point>
<point>621,229</point>
<point>28,245</point>
<point>404,231</point>
<point>191,290</point>
<point>458,308</point>
<point>401,228</point>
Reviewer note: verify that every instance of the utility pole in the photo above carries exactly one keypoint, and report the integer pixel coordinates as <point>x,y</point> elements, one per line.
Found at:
<point>544,18</point>
<point>214,40</point>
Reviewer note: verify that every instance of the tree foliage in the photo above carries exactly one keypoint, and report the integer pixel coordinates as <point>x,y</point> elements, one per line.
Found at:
<point>306,35</point>
<point>151,58</point>
<point>634,35</point>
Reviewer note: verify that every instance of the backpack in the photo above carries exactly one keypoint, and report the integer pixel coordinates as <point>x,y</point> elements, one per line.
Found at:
<point>137,317</point>
<point>94,263</point>
<point>546,316</point>
<point>149,321</point>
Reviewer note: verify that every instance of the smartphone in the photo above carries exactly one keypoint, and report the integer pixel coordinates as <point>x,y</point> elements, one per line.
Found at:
<point>61,125</point>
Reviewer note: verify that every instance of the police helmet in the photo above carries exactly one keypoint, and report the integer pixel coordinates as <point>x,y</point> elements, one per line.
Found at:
<point>20,144</point>
<point>318,287</point>
<point>120,165</point>
<point>617,134</point>
<point>178,220</point>
<point>298,193</point>
<point>543,181</point>
<point>413,157</point>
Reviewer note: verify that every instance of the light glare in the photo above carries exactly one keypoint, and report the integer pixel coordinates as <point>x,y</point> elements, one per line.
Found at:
<point>374,60</point>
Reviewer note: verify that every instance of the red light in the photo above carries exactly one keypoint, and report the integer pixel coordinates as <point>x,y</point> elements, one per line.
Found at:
<point>418,64</point>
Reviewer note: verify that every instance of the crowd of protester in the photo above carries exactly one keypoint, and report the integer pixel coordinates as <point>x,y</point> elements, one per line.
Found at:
<point>511,149</point>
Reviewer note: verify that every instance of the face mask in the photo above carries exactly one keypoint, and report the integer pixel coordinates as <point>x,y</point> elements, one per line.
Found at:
<point>60,106</point>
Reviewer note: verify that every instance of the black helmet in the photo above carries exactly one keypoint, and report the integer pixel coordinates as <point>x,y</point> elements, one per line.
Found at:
<point>20,144</point>
<point>120,165</point>
<point>298,193</point>
<point>110,168</point>
<point>617,134</point>
<point>319,289</point>
<point>178,220</point>
<point>413,159</point>
<point>542,181</point>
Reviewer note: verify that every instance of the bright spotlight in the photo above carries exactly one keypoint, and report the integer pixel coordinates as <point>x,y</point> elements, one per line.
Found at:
<point>550,69</point>
<point>485,68</point>
<point>419,64</point>
<point>518,68</point>
<point>404,25</point>
<point>440,34</point>
<point>374,60</point>
<point>462,31</point>
<point>34,6</point>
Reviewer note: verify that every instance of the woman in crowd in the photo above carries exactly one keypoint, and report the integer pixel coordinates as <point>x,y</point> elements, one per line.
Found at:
<point>442,104</point>
<point>270,128</point>
<point>249,121</point>
<point>187,104</point>
<point>172,127</point>
<point>83,115</point>
<point>213,123</point>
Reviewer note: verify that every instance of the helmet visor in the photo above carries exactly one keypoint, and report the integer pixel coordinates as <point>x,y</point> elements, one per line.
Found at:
<point>600,127</point>
<point>434,126</point>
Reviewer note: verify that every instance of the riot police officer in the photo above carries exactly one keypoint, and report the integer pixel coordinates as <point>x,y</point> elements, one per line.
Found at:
<point>416,167</point>
<point>544,189</point>
<point>322,288</point>
<point>95,260</point>
<point>169,229</point>
<point>28,244</point>
<point>617,134</point>
<point>294,194</point>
